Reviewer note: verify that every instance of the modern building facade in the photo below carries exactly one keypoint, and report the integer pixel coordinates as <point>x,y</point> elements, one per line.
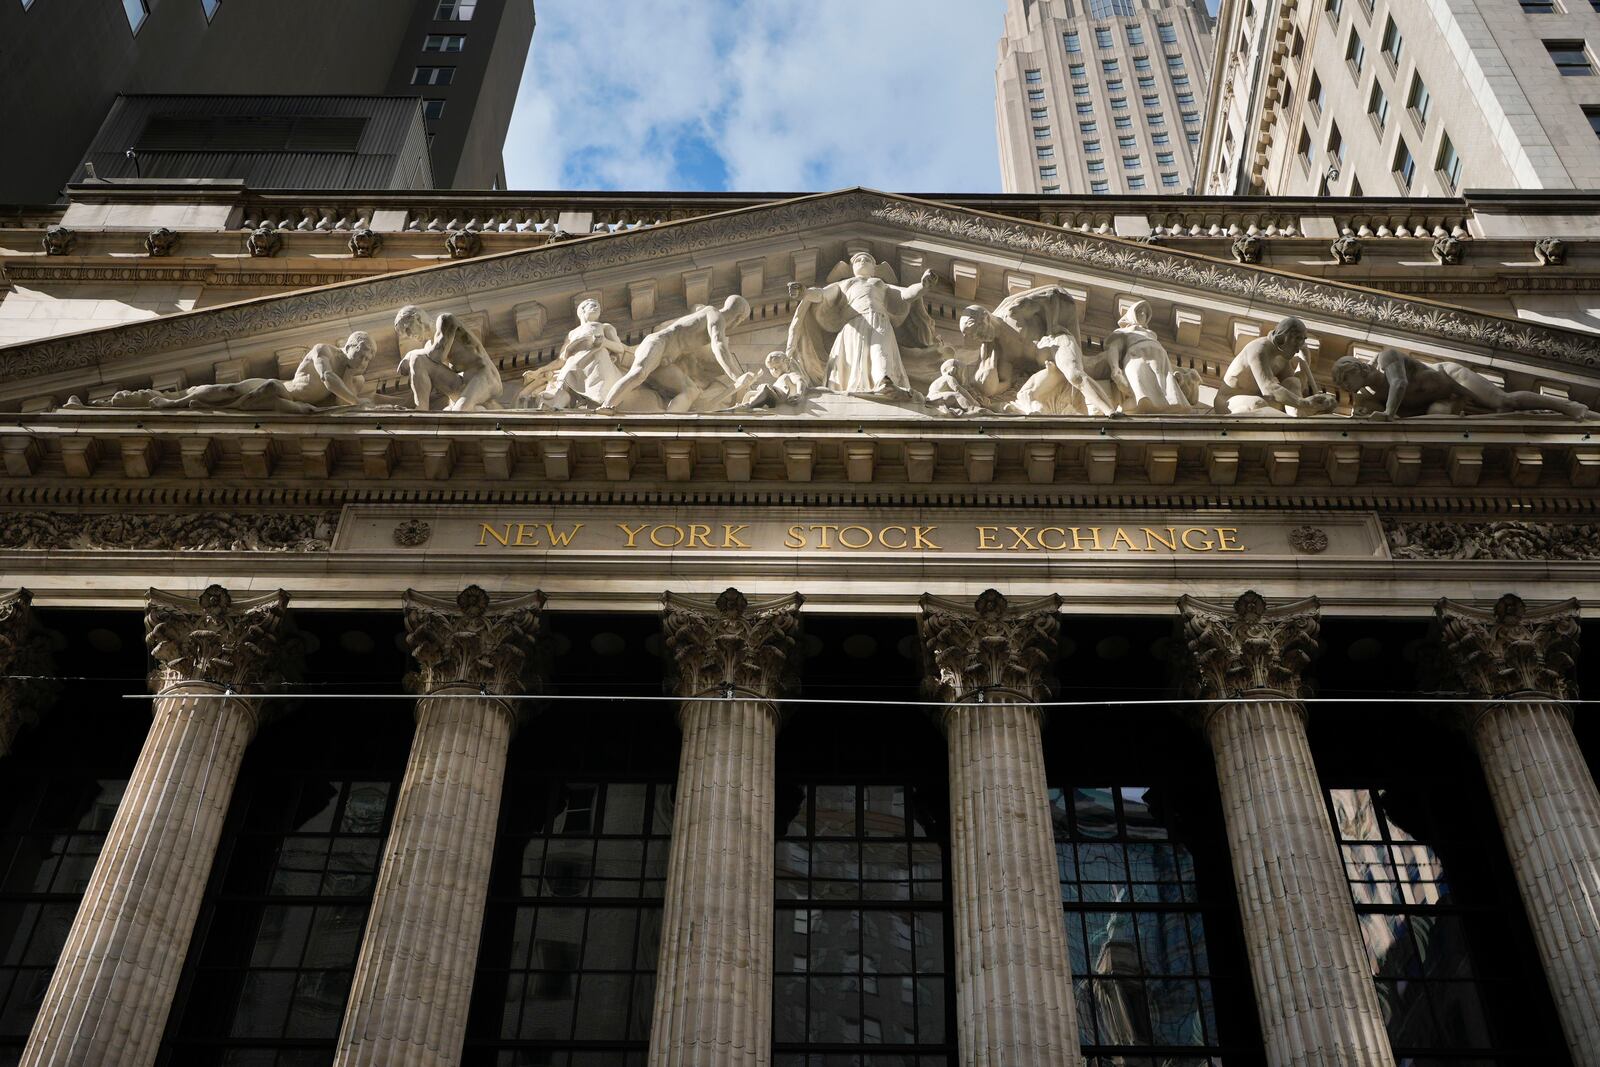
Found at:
<point>1389,98</point>
<point>1101,96</point>
<point>462,60</point>
<point>749,722</point>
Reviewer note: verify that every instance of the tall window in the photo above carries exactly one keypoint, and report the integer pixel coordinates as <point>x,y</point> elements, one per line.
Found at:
<point>1306,149</point>
<point>1102,37</point>
<point>1334,8</point>
<point>137,11</point>
<point>1378,106</point>
<point>1418,100</point>
<point>862,947</point>
<point>1570,58</point>
<point>1405,164</point>
<point>1393,43</point>
<point>1355,53</point>
<point>1073,42</point>
<point>1316,95</point>
<point>455,10</point>
<point>1593,115</point>
<point>274,951</point>
<point>1134,925</point>
<point>1448,163</point>
<point>1335,144</point>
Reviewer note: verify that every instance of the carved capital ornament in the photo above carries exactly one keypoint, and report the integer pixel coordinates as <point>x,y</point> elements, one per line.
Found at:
<point>1249,647</point>
<point>730,645</point>
<point>991,645</point>
<point>472,640</point>
<point>25,664</point>
<point>1511,648</point>
<point>237,644</point>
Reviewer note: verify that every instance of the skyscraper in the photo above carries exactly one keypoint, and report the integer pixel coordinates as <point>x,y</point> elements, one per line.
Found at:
<point>1377,97</point>
<point>1101,96</point>
<point>462,58</point>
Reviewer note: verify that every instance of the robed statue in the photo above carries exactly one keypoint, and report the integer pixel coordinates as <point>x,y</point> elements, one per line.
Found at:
<point>850,335</point>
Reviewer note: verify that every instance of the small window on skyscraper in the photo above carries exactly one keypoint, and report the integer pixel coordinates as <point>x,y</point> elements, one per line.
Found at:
<point>1394,45</point>
<point>1570,58</point>
<point>208,6</point>
<point>1135,34</point>
<point>433,75</point>
<point>1419,101</point>
<point>455,10</point>
<point>1405,165</point>
<point>1449,163</point>
<point>1136,182</point>
<point>1072,42</point>
<point>1174,62</point>
<point>1099,188</point>
<point>444,42</point>
<point>1032,77</point>
<point>1539,7</point>
<point>1167,33</point>
<point>1102,36</point>
<point>137,11</point>
<point>433,109</point>
<point>1141,63</point>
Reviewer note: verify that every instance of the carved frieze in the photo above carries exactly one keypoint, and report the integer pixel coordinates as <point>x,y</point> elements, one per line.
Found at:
<point>473,639</point>
<point>1504,540</point>
<point>731,646</point>
<point>187,532</point>
<point>239,644</point>
<point>990,645</point>
<point>1511,648</point>
<point>1248,647</point>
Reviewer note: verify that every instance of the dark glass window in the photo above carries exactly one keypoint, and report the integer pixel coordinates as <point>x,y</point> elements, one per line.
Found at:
<point>1570,57</point>
<point>1134,925</point>
<point>277,944</point>
<point>433,75</point>
<point>59,790</point>
<point>137,11</point>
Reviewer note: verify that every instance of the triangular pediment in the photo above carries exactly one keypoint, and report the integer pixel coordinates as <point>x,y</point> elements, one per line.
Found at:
<point>523,303</point>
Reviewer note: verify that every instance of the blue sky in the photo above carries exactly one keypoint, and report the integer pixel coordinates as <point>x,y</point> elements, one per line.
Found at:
<point>759,95</point>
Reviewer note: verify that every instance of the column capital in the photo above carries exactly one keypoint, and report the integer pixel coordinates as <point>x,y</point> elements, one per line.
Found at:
<point>472,640</point>
<point>731,641</point>
<point>1510,648</point>
<point>990,644</point>
<point>238,644</point>
<point>1248,647</point>
<point>25,660</point>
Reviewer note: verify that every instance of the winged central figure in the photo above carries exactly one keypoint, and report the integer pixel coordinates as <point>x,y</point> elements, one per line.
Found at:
<point>847,336</point>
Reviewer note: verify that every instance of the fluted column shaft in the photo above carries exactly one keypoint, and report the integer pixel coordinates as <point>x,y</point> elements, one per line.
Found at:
<point>1549,811</point>
<point>108,1001</point>
<point>1015,1003</point>
<point>1314,988</point>
<point>728,658</point>
<point>714,988</point>
<point>413,981</point>
<point>412,986</point>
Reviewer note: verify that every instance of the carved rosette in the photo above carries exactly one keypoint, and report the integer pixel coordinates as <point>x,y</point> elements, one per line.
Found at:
<point>24,662</point>
<point>1511,648</point>
<point>237,644</point>
<point>1248,648</point>
<point>731,645</point>
<point>993,645</point>
<point>472,640</point>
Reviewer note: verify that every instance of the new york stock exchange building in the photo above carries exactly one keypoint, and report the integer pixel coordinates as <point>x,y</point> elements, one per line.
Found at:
<point>841,631</point>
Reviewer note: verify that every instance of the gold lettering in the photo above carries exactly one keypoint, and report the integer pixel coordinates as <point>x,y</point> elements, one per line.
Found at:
<point>844,540</point>
<point>699,534</point>
<point>883,536</point>
<point>522,537</point>
<point>730,535</point>
<point>1021,537</point>
<point>1222,539</point>
<point>1122,538</point>
<point>986,539</point>
<point>824,530</point>
<point>485,531</point>
<point>561,540</point>
<point>1094,538</point>
<point>796,538</point>
<point>924,537</point>
<point>1206,545</point>
<point>1171,540</point>
<point>1060,546</point>
<point>631,532</point>
<point>656,540</point>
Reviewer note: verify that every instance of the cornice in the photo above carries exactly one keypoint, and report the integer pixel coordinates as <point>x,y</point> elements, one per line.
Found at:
<point>1125,259</point>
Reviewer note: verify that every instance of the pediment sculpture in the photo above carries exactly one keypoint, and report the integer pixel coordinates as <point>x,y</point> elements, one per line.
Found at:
<point>861,334</point>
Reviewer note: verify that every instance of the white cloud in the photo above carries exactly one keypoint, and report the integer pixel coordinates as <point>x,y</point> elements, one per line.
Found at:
<point>759,95</point>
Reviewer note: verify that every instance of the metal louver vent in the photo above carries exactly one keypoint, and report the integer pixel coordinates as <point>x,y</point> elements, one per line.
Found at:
<point>250,133</point>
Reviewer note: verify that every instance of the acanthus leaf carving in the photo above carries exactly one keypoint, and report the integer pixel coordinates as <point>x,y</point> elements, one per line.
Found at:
<point>1511,648</point>
<point>1247,647</point>
<point>186,532</point>
<point>240,645</point>
<point>730,645</point>
<point>473,640</point>
<point>991,645</point>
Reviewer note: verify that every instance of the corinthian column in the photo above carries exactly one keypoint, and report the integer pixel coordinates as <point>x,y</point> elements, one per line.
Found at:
<point>108,1001</point>
<point>24,665</point>
<point>413,979</point>
<point>714,989</point>
<point>1543,792</point>
<point>1314,987</point>
<point>1014,998</point>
